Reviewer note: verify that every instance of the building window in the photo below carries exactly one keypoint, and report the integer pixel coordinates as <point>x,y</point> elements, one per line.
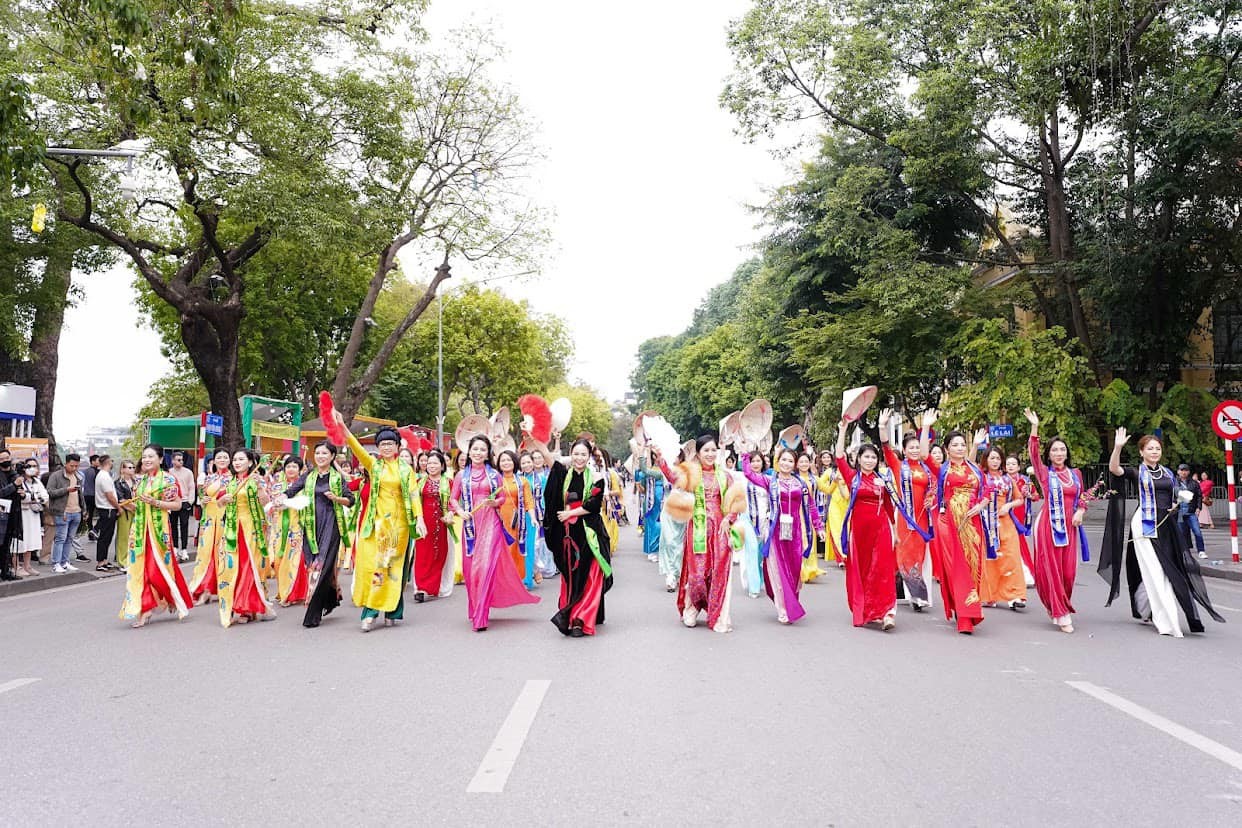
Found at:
<point>1227,340</point>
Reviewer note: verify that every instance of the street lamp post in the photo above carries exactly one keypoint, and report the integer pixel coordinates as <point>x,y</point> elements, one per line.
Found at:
<point>440,372</point>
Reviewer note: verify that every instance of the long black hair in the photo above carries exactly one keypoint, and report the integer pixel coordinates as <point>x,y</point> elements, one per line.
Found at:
<point>703,440</point>
<point>1048,448</point>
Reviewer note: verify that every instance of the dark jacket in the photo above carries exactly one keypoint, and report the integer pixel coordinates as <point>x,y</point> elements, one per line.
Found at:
<point>58,491</point>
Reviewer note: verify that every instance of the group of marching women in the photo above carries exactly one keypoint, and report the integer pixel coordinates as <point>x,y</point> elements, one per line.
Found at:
<point>500,525</point>
<point>906,518</point>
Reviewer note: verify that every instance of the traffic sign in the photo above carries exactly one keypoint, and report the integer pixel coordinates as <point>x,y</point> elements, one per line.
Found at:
<point>996,432</point>
<point>215,424</point>
<point>1227,420</point>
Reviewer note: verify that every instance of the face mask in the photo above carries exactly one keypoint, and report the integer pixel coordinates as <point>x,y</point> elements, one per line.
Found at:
<point>6,464</point>
<point>31,472</point>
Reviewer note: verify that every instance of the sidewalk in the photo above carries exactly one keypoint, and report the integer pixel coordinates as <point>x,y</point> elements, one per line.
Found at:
<point>46,579</point>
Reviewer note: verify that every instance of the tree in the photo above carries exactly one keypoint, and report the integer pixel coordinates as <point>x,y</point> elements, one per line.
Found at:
<point>443,178</point>
<point>36,287</point>
<point>591,412</point>
<point>236,118</point>
<point>985,101</point>
<point>495,350</point>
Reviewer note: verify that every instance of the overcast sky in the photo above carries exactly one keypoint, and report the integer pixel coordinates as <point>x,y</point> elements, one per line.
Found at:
<point>648,183</point>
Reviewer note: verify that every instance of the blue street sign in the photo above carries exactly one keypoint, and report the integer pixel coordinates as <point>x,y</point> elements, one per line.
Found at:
<point>996,432</point>
<point>215,424</point>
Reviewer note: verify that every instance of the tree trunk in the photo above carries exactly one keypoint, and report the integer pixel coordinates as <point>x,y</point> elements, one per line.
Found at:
<point>213,350</point>
<point>45,336</point>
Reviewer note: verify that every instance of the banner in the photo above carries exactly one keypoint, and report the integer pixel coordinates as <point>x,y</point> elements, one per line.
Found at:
<point>279,431</point>
<point>24,447</point>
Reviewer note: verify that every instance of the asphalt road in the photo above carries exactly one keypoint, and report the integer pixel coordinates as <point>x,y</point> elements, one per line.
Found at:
<point>648,723</point>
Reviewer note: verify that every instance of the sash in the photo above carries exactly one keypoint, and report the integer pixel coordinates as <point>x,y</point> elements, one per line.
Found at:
<point>445,495</point>
<point>944,474</point>
<point>905,503</point>
<point>1023,526</point>
<point>699,538</point>
<point>1056,513</point>
<point>467,499</point>
<point>1147,498</point>
<point>519,514</point>
<point>592,538</point>
<point>991,515</point>
<point>774,513</point>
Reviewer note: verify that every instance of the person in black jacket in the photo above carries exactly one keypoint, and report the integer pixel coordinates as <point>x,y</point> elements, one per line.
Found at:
<point>10,516</point>
<point>1189,501</point>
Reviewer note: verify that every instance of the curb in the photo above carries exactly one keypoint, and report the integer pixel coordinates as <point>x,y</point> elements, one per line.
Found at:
<point>1229,572</point>
<point>45,581</point>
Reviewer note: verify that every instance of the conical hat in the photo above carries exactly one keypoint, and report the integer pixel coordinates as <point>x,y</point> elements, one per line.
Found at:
<point>688,449</point>
<point>505,443</point>
<point>791,437</point>
<point>637,429</point>
<point>500,423</point>
<point>731,429</point>
<point>755,420</point>
<point>855,401</point>
<point>471,426</point>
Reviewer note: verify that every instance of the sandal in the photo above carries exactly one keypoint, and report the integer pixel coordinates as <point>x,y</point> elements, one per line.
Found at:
<point>142,621</point>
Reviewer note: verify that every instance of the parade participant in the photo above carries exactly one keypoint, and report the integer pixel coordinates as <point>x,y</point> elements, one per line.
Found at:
<point>1003,580</point>
<point>759,515</point>
<point>534,520</point>
<point>824,465</point>
<point>240,562</point>
<point>393,515</point>
<point>433,571</point>
<point>545,563</point>
<point>492,579</point>
<point>678,508</point>
<point>602,468</point>
<point>1025,495</point>
<point>1161,573</point>
<point>838,495</point>
<point>614,502</point>
<point>153,579</point>
<point>652,500</point>
<point>793,521</point>
<point>806,473</point>
<point>959,533</point>
<point>288,537</point>
<point>517,510</point>
<point>406,456</point>
<point>1058,533</point>
<point>326,524</point>
<point>913,478</point>
<point>867,537</point>
<point>126,483</point>
<point>460,462</point>
<point>210,526</point>
<point>707,558</point>
<point>575,533</point>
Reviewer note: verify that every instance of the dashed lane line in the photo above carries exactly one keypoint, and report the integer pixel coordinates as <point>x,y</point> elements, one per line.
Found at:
<point>498,762</point>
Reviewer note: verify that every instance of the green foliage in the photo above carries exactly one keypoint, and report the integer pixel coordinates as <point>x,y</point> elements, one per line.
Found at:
<point>495,350</point>
<point>1003,372</point>
<point>591,411</point>
<point>1180,417</point>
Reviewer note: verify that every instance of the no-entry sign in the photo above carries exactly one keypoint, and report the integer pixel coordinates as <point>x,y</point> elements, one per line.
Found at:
<point>1227,420</point>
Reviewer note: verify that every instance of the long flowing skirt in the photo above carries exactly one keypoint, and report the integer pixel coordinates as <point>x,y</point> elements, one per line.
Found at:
<point>672,545</point>
<point>961,547</point>
<point>750,569</point>
<point>1055,569</point>
<point>1165,578</point>
<point>782,568</point>
<point>492,579</point>
<point>431,556</point>
<point>705,577</point>
<point>1003,578</point>
<point>911,552</point>
<point>325,593</point>
<point>153,580</point>
<point>871,568</point>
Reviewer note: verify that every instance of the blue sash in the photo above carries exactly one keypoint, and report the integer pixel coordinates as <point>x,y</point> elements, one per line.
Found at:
<point>991,518</point>
<point>1056,513</point>
<point>944,473</point>
<point>1147,498</point>
<point>467,501</point>
<point>907,499</point>
<point>774,512</point>
<point>887,481</point>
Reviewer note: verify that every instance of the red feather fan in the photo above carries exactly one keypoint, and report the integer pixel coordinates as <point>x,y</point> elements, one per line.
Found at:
<point>336,432</point>
<point>409,439</point>
<point>536,417</point>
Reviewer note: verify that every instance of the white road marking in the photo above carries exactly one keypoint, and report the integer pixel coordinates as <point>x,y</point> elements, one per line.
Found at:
<point>498,762</point>
<point>16,683</point>
<point>1183,734</point>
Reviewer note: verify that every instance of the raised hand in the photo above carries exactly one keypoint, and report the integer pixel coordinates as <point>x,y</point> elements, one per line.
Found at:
<point>1031,416</point>
<point>1121,437</point>
<point>886,417</point>
<point>929,417</point>
<point>981,437</point>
